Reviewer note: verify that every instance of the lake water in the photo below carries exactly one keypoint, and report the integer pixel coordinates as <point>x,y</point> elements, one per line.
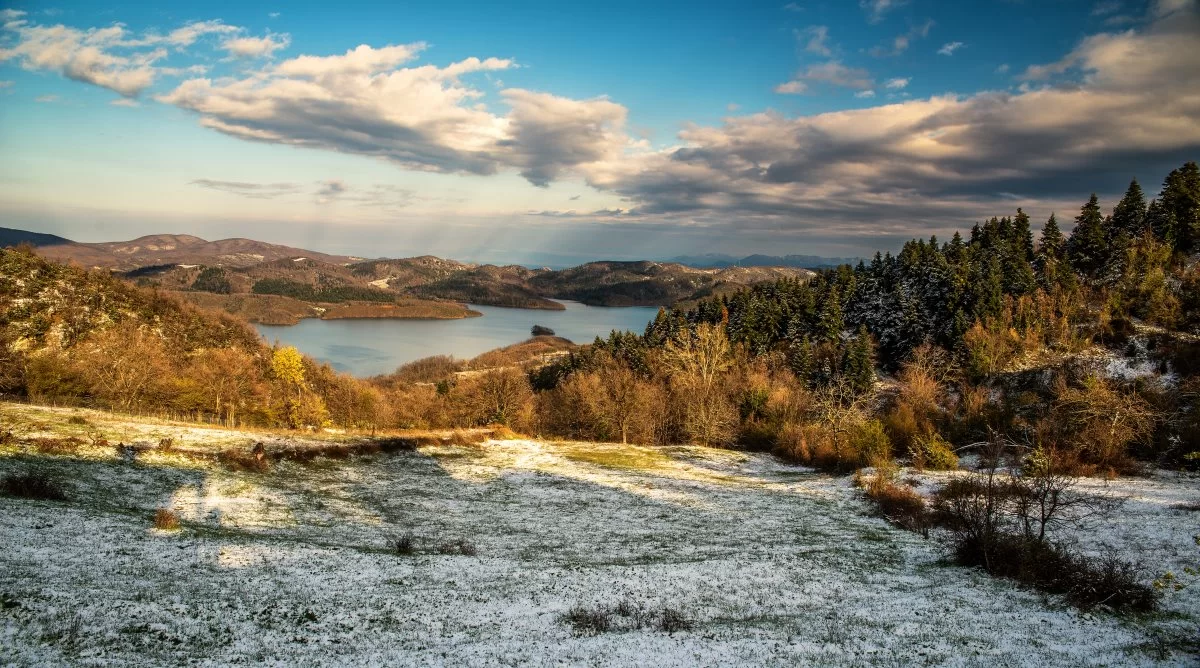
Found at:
<point>367,347</point>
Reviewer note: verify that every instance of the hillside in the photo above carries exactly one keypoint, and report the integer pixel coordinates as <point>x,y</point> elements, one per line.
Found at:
<point>11,237</point>
<point>160,249</point>
<point>243,266</point>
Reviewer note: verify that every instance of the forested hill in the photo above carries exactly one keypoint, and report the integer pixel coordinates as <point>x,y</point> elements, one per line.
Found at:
<point>990,296</point>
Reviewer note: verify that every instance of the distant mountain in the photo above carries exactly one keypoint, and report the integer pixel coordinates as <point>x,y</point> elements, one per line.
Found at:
<point>236,267</point>
<point>11,237</point>
<point>720,261</point>
<point>167,249</point>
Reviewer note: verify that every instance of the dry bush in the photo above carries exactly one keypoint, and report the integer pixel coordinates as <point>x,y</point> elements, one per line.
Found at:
<point>933,452</point>
<point>589,621</point>
<point>58,446</point>
<point>166,520</point>
<point>820,446</point>
<point>404,544</point>
<point>1100,422</point>
<point>461,546</point>
<point>898,503</point>
<point>425,370</point>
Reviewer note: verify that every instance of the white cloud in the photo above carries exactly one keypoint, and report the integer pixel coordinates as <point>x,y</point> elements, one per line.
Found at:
<point>1002,68</point>
<point>949,48</point>
<point>862,94</point>
<point>83,56</point>
<point>362,60</point>
<point>897,83</point>
<point>372,101</point>
<point>256,47</point>
<point>944,158</point>
<point>108,57</point>
<point>6,84</point>
<point>273,15</point>
<point>901,42</point>
<point>189,33</point>
<point>11,14</point>
<point>1106,7</point>
<point>816,40</point>
<point>124,102</point>
<point>876,9</point>
<point>46,98</point>
<point>833,73</point>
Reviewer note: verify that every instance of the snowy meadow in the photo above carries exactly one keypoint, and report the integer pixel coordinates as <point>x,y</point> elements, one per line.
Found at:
<point>524,552</point>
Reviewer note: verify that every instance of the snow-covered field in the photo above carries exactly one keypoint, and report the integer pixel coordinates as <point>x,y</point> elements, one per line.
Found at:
<point>773,565</point>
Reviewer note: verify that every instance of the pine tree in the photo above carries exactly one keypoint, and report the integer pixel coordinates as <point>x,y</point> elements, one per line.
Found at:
<point>1087,248</point>
<point>859,365</point>
<point>1180,201</point>
<point>831,324</point>
<point>1129,216</point>
<point>800,358</point>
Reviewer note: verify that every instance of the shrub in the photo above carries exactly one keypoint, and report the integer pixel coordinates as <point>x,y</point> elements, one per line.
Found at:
<point>32,486</point>
<point>78,420</point>
<point>1086,582</point>
<point>539,330</point>
<point>461,546</point>
<point>404,544</point>
<point>589,621</point>
<point>166,520</point>
<point>672,620</point>
<point>934,453</point>
<point>898,504</point>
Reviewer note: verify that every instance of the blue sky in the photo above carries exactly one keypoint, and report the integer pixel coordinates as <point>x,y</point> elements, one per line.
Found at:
<point>562,132</point>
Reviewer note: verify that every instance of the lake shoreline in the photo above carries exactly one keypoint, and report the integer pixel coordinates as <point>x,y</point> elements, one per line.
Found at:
<point>366,347</point>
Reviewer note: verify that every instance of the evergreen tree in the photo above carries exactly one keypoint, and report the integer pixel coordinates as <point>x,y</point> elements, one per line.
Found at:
<point>1129,216</point>
<point>800,358</point>
<point>1087,248</point>
<point>859,365</point>
<point>1180,201</point>
<point>831,324</point>
<point>1019,278</point>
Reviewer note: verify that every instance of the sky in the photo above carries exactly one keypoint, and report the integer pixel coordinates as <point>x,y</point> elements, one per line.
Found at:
<point>557,133</point>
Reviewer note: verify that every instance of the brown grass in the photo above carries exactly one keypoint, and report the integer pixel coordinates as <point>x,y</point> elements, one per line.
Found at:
<point>166,520</point>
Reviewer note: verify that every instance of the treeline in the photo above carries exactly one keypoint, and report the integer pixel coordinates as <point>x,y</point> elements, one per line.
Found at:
<point>321,293</point>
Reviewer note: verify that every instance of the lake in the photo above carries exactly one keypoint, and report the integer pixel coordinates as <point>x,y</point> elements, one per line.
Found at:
<point>367,347</point>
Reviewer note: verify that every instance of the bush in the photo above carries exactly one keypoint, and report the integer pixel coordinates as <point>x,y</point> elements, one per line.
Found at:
<point>32,486</point>
<point>672,620</point>
<point>934,453</point>
<point>589,621</point>
<point>1086,582</point>
<point>166,520</point>
<point>404,544</point>
<point>461,546</point>
<point>539,330</point>
<point>898,504</point>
